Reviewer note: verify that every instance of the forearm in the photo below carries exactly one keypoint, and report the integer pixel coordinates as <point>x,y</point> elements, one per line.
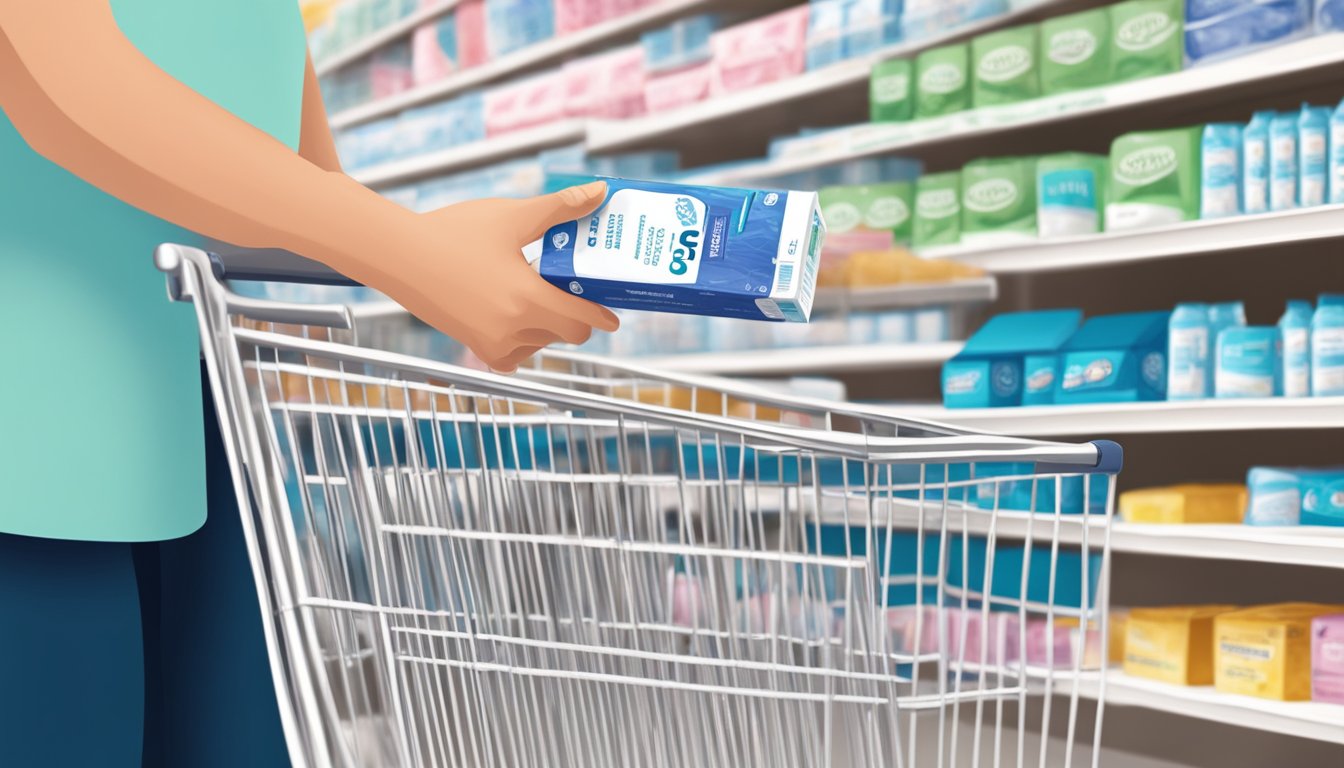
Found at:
<point>316,144</point>
<point>128,128</point>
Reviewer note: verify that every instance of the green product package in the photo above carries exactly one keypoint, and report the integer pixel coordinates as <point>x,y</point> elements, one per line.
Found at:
<point>1006,66</point>
<point>884,207</point>
<point>1147,38</point>
<point>1154,179</point>
<point>891,96</point>
<point>1070,193</point>
<point>1075,51</point>
<point>998,200</point>
<point>937,210</point>
<point>942,86</point>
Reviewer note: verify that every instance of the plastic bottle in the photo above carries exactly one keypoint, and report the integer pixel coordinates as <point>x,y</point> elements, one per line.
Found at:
<point>1313,156</point>
<point>1255,164</point>
<point>1220,193</point>
<point>1295,360</point>
<point>1283,170</point>
<point>1188,345</point>
<point>1327,351</point>
<point>1228,314</point>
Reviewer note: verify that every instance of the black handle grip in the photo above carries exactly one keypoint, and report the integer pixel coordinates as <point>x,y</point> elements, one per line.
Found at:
<point>231,262</point>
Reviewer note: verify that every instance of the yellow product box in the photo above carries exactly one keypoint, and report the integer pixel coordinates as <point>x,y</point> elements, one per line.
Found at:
<point>1173,644</point>
<point>1118,628</point>
<point>1266,651</point>
<point>1191,503</point>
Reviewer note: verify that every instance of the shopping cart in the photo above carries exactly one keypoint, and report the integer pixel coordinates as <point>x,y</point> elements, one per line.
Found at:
<point>593,564</point>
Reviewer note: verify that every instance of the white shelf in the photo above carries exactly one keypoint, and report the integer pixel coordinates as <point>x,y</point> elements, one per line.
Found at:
<point>465,156</point>
<point>1317,546</point>
<point>610,135</point>
<point>1308,720</point>
<point>382,37</point>
<point>1135,418</point>
<point>1321,55</point>
<point>863,357</point>
<point>530,57</point>
<point>1186,239</point>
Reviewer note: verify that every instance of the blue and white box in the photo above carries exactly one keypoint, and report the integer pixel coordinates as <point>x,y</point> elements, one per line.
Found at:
<point>750,254</point>
<point>1011,361</point>
<point>1116,359</point>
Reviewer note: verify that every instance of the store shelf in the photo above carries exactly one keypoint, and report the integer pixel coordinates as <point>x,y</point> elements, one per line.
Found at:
<point>863,357</point>
<point>1313,58</point>
<point>980,289</point>
<point>384,36</point>
<point>1310,545</point>
<point>1305,719</point>
<point>1135,418</point>
<point>1186,239</point>
<point>605,136</point>
<point>466,156</point>
<point>523,60</point>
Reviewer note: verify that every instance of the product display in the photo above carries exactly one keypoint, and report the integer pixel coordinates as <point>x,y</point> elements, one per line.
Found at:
<point>1185,504</point>
<point>1075,51</point>
<point>1172,644</point>
<point>1146,38</point>
<point>1071,190</point>
<point>943,81</point>
<point>1154,179</point>
<point>1006,66</point>
<point>1013,360</point>
<point>1266,651</point>
<point>998,201</point>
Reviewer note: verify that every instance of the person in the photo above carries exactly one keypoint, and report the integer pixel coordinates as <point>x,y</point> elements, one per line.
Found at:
<point>130,634</point>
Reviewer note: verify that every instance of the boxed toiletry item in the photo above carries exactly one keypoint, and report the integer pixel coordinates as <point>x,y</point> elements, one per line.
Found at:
<point>1336,169</point>
<point>1313,155</point>
<point>1255,163</point>
<point>1075,51</point>
<point>1327,349</point>
<point>942,81</point>
<point>891,97</point>
<point>1070,188</point>
<point>1241,26</point>
<point>1294,374</point>
<point>525,103</point>
<point>1000,628</point>
<point>1323,498</point>
<point>679,45</point>
<point>1006,66</point>
<point>1190,348</point>
<point>472,47</point>
<point>1281,495</point>
<point>1173,644</point>
<point>1266,651</point>
<point>511,25</point>
<point>391,70</point>
<point>760,51</point>
<point>1187,504</point>
<point>1329,15</point>
<point>434,49</point>
<point>991,369</point>
<point>922,19</point>
<point>998,201</point>
<point>825,32</point>
<point>937,210</point>
<point>1146,38</point>
<point>1115,358</point>
<point>671,90</point>
<point>1283,169</point>
<point>1154,179</point>
<point>1327,658</point>
<point>1247,362</point>
<point>1060,643</point>
<point>692,250</point>
<point>871,24</point>
<point>1220,163</point>
<point>610,85</point>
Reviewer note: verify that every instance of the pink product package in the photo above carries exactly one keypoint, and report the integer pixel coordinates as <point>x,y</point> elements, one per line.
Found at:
<point>1041,638</point>
<point>429,60</point>
<point>524,104</point>
<point>1327,659</point>
<point>1004,636</point>
<point>679,88</point>
<point>759,52</point>
<point>471,39</point>
<point>610,85</point>
<point>390,72</point>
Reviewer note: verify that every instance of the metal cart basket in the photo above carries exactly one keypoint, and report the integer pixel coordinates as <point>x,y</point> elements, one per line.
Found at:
<point>593,564</point>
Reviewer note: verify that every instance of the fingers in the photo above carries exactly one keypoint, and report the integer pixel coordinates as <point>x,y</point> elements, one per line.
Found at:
<point>510,362</point>
<point>542,213</point>
<point>584,311</point>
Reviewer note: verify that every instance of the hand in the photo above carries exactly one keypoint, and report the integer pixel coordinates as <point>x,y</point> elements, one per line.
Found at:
<point>463,272</point>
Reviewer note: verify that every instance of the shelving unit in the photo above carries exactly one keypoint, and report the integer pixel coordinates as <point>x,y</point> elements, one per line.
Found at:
<point>862,357</point>
<point>385,36</point>
<point>528,141</point>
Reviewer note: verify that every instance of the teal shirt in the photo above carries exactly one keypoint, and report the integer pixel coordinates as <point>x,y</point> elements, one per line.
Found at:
<point>100,401</point>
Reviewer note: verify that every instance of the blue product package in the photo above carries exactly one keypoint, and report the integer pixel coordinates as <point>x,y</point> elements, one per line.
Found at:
<point>1329,15</point>
<point>750,254</point>
<point>1189,345</point>
<point>1250,24</point>
<point>1294,375</point>
<point>871,24</point>
<point>680,44</point>
<point>1313,155</point>
<point>1198,10</point>
<point>1220,163</point>
<point>511,25</point>
<point>1116,358</point>
<point>1327,350</point>
<point>1247,360</point>
<point>825,33</point>
<point>989,372</point>
<point>922,19</point>
<point>1323,498</point>
<point>1283,170</point>
<point>1274,497</point>
<point>1016,494</point>
<point>1336,170</point>
<point>1255,163</point>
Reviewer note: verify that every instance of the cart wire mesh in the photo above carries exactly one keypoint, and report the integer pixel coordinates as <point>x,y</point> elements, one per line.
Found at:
<point>595,564</point>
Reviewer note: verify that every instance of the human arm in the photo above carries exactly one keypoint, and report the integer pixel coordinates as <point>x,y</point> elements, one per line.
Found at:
<point>125,126</point>
<point>316,144</point>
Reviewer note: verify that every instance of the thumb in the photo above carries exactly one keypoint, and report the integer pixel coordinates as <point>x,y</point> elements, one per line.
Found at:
<point>542,213</point>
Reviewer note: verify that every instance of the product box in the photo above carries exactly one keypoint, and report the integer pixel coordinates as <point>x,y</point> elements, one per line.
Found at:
<point>1154,179</point>
<point>1266,651</point>
<point>883,208</point>
<point>472,49</point>
<point>1185,504</point>
<point>942,81</point>
<point>758,52</point>
<point>1115,359</point>
<point>1070,193</point>
<point>825,33</point>
<point>672,90</point>
<point>1327,658</point>
<point>1246,361</point>
<point>692,250</point>
<point>610,85</point>
<point>434,49</point>
<point>1075,51</point>
<point>891,93</point>
<point>989,370</point>
<point>1172,644</point>
<point>1323,497</point>
<point>998,201</point>
<point>937,210</point>
<point>1146,38</point>
<point>511,25</point>
<point>525,104</point>
<point>1241,26</point>
<point>1006,67</point>
<point>921,19</point>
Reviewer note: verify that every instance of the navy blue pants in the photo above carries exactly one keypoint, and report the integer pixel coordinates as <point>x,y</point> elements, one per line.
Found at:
<point>130,655</point>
